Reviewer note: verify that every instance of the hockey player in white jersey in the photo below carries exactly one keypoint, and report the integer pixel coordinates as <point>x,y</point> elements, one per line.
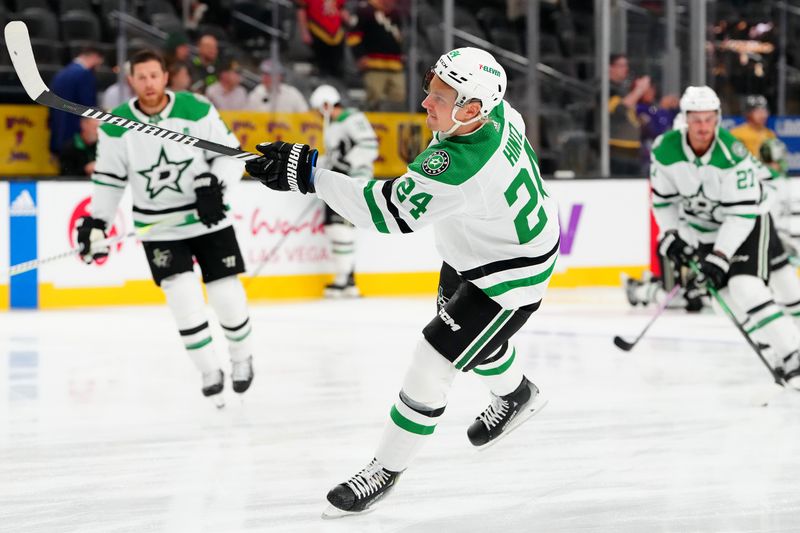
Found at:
<point>167,179</point>
<point>351,147</point>
<point>708,200</point>
<point>496,227</point>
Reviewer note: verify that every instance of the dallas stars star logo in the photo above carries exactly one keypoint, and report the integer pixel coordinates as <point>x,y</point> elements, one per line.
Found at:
<point>164,174</point>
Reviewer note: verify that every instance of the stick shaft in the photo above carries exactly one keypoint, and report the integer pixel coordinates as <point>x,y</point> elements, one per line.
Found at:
<point>659,311</point>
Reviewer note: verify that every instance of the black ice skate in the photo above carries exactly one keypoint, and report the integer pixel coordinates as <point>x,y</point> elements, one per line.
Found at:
<point>360,492</point>
<point>505,414</point>
<point>213,383</point>
<point>242,374</point>
<point>347,289</point>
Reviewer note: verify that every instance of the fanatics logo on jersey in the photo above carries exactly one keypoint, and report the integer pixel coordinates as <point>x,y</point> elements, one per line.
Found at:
<point>164,174</point>
<point>436,163</point>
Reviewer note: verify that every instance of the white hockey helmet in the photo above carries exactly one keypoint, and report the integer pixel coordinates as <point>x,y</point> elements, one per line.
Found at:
<point>475,75</point>
<point>699,99</point>
<point>324,94</point>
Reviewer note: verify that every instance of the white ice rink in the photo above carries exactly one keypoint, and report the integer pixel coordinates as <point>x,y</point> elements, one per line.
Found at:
<point>103,428</point>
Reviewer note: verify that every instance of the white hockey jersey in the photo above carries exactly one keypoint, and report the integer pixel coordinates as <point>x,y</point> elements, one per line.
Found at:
<point>713,199</point>
<point>351,146</point>
<point>493,219</point>
<point>161,173</point>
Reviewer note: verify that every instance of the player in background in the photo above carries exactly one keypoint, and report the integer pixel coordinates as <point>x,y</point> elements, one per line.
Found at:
<point>168,178</point>
<point>351,147</point>
<point>496,227</point>
<point>764,144</point>
<point>708,202</point>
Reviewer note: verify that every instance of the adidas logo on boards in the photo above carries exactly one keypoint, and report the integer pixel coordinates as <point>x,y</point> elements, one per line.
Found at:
<point>23,205</point>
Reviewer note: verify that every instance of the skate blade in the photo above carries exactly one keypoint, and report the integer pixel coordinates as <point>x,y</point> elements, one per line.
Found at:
<point>217,400</point>
<point>534,409</point>
<point>348,293</point>
<point>334,513</point>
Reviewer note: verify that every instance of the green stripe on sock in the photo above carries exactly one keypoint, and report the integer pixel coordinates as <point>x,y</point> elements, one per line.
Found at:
<point>409,425</point>
<point>200,344</point>
<point>239,338</point>
<point>374,210</point>
<point>765,321</point>
<point>499,370</point>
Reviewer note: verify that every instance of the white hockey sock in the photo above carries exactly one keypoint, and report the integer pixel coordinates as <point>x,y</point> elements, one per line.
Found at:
<point>502,375</point>
<point>343,247</point>
<point>185,299</point>
<point>765,319</point>
<point>229,301</point>
<point>415,415</point>
<point>785,285</point>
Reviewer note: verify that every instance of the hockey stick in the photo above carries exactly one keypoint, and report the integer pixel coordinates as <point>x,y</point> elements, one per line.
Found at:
<point>19,48</point>
<point>20,268</point>
<point>264,260</point>
<point>622,344</point>
<point>716,295</point>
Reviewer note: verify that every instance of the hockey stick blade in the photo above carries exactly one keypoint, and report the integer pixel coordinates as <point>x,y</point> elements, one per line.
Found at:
<point>622,344</point>
<point>19,48</point>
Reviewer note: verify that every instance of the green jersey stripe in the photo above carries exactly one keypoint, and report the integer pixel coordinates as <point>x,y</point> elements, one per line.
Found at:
<point>374,210</point>
<point>504,287</point>
<point>108,184</point>
<point>409,425</point>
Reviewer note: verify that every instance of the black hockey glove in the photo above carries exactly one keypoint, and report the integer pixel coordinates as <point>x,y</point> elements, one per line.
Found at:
<point>89,230</point>
<point>675,249</point>
<point>285,166</point>
<point>210,205</point>
<point>714,267</point>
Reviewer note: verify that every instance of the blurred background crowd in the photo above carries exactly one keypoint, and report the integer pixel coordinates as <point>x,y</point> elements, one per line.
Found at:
<point>269,55</point>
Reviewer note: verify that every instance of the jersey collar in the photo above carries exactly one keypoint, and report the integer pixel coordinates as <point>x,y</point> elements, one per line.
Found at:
<point>689,153</point>
<point>153,119</point>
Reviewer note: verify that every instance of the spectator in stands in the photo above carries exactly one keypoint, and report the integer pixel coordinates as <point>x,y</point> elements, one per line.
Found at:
<point>377,43</point>
<point>228,92</point>
<point>273,95</point>
<point>321,24</point>
<point>117,92</point>
<point>177,48</point>
<point>754,131</point>
<point>655,118</point>
<point>624,127</point>
<point>205,67</point>
<point>79,152</point>
<point>77,83</point>
<point>179,77</point>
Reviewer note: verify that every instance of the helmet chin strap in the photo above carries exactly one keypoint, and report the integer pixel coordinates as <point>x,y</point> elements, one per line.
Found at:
<point>457,123</point>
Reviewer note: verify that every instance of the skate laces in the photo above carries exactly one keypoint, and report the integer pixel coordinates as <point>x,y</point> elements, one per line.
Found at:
<point>495,413</point>
<point>369,480</point>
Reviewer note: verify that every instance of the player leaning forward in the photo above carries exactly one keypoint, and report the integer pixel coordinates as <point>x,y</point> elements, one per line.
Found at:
<point>708,199</point>
<point>166,179</point>
<point>496,228</point>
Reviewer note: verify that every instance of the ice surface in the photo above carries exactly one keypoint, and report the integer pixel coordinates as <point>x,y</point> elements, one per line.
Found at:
<point>103,427</point>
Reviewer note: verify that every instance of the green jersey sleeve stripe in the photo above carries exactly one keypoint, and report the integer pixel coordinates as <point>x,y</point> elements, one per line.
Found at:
<point>374,210</point>
<point>659,205</point>
<point>745,216</point>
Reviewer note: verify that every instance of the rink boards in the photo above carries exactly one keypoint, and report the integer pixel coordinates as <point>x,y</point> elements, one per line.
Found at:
<point>604,231</point>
